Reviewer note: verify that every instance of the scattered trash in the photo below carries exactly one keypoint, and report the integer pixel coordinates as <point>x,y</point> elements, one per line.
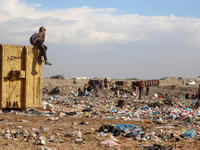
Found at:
<point>127,128</point>
<point>189,134</point>
<point>162,118</point>
<point>78,140</point>
<point>109,143</point>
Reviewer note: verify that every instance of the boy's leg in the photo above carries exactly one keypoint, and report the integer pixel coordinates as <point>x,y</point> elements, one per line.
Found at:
<point>45,56</point>
<point>45,52</point>
<point>43,49</point>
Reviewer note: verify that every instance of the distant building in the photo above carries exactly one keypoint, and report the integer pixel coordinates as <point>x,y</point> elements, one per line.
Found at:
<point>81,78</point>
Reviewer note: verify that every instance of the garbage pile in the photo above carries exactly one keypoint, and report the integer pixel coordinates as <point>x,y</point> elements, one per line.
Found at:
<point>164,119</point>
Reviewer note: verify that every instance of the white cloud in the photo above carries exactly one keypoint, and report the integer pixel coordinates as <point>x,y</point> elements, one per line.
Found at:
<point>86,26</point>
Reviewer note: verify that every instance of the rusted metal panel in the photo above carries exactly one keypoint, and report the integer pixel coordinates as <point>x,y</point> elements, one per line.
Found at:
<point>135,83</point>
<point>121,83</point>
<point>147,83</point>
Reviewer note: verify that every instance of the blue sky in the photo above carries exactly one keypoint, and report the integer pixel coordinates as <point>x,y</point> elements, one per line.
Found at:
<point>180,8</point>
<point>143,39</point>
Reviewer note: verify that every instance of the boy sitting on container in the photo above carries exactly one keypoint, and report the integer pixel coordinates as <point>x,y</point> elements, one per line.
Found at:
<point>41,46</point>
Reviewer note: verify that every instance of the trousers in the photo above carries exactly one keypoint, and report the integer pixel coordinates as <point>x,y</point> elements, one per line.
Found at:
<point>42,48</point>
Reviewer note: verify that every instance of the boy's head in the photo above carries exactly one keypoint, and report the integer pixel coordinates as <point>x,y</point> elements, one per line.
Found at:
<point>42,29</point>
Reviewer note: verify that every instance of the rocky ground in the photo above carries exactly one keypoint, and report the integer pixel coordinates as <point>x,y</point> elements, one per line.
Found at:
<point>68,122</point>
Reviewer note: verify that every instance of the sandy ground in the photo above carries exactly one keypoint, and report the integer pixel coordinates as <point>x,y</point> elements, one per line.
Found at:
<point>59,130</point>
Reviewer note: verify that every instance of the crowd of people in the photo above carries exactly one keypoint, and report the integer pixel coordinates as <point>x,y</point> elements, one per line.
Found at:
<point>96,85</point>
<point>120,91</point>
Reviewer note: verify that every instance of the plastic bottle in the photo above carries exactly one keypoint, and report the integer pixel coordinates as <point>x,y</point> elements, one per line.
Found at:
<point>78,140</point>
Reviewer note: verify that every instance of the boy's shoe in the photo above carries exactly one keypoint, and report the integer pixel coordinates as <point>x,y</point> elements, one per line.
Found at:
<point>47,63</point>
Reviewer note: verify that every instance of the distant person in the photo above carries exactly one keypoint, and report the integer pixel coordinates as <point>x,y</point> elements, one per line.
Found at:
<point>134,90</point>
<point>40,44</point>
<point>147,90</point>
<point>108,85</point>
<point>194,96</point>
<point>89,88</point>
<point>105,82</point>
<point>187,96</point>
<point>96,87</point>
<point>133,93</point>
<point>85,88</point>
<point>116,92</point>
<point>125,93</point>
<point>93,84</point>
<point>199,94</point>
<point>140,89</point>
<point>74,81</point>
<point>198,100</point>
<point>113,86</point>
<point>101,85</point>
<point>80,92</point>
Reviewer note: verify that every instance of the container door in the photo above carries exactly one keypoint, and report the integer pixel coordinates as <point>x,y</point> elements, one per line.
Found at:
<point>20,77</point>
<point>13,72</point>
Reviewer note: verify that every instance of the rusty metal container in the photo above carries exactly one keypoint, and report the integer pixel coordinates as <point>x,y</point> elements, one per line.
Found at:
<point>135,83</point>
<point>147,83</point>
<point>121,83</point>
<point>151,82</point>
<point>20,77</point>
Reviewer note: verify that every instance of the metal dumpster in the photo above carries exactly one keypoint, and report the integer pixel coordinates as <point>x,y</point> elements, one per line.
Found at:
<point>20,77</point>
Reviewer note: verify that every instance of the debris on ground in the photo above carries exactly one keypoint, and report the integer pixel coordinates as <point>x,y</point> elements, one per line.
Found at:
<point>165,119</point>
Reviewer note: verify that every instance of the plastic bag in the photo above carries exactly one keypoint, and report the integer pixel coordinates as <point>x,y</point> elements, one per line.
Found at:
<point>108,143</point>
<point>128,127</point>
<point>189,134</point>
<point>110,137</point>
